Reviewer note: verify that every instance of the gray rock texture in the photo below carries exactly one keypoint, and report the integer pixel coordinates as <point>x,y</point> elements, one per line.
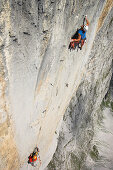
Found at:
<point>85,139</point>
<point>45,88</point>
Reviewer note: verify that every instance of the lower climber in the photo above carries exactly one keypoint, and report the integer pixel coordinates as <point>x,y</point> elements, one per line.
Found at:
<point>33,157</point>
<point>81,35</point>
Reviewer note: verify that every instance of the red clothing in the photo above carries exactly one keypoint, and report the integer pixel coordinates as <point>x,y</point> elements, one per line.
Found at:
<point>30,159</point>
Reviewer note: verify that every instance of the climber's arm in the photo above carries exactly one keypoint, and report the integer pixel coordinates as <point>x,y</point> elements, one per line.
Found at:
<point>87,21</point>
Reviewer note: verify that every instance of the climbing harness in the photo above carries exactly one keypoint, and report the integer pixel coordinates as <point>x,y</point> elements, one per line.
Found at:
<point>33,157</point>
<point>73,45</point>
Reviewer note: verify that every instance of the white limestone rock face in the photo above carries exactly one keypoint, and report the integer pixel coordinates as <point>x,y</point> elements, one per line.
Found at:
<point>41,77</point>
<point>85,138</point>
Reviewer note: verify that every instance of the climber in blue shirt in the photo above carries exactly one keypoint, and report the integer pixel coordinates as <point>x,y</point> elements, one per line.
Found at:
<point>81,34</point>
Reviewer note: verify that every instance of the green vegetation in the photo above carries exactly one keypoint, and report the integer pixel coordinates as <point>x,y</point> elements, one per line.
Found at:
<point>95,88</point>
<point>111,21</point>
<point>51,166</point>
<point>100,118</point>
<point>107,103</point>
<point>94,153</point>
<point>112,106</point>
<point>70,114</point>
<point>105,74</point>
<point>77,162</point>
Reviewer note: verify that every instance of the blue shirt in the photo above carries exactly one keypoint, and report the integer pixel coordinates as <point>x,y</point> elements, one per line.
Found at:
<point>83,34</point>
